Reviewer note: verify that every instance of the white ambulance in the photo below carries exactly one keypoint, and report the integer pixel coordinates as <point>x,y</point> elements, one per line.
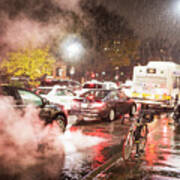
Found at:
<point>157,84</point>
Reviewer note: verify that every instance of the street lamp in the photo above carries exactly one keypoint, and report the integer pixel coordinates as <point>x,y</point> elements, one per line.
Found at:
<point>116,77</point>
<point>117,68</point>
<point>177,6</point>
<point>72,48</point>
<point>72,72</point>
<point>103,75</point>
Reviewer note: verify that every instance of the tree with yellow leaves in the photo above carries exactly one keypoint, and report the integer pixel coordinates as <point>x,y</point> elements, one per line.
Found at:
<point>32,63</point>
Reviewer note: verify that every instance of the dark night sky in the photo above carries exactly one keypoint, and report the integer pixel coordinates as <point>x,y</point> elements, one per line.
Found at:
<point>148,18</point>
<point>39,21</point>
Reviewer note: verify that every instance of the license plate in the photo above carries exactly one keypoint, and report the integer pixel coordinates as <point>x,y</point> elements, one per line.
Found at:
<point>84,105</point>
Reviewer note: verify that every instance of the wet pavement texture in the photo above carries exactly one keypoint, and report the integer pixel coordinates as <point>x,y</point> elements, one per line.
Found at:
<point>94,151</point>
<point>162,153</point>
<point>90,145</point>
<point>161,159</point>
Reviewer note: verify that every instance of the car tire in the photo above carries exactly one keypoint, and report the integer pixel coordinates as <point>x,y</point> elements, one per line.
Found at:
<point>111,115</point>
<point>61,122</point>
<point>133,110</point>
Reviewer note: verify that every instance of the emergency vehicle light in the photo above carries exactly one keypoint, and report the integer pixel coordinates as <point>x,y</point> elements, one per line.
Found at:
<point>151,70</point>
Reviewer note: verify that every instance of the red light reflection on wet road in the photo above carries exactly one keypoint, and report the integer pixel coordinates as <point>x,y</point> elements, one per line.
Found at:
<point>159,140</point>
<point>99,156</point>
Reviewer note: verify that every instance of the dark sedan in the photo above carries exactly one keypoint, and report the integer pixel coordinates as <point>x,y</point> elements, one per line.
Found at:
<point>48,112</point>
<point>103,104</point>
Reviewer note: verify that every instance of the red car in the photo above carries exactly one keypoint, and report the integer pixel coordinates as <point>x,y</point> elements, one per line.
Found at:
<point>103,105</point>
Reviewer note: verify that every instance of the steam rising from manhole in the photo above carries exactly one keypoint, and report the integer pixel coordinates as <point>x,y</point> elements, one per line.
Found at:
<point>77,141</point>
<point>29,149</point>
<point>80,150</point>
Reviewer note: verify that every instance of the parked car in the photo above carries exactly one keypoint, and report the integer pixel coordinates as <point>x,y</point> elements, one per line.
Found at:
<point>110,85</point>
<point>49,112</point>
<point>42,90</point>
<point>71,84</point>
<point>103,105</point>
<point>58,94</point>
<point>90,85</point>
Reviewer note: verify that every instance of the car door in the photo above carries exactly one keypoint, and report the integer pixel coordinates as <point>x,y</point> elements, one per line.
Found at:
<point>67,98</point>
<point>11,91</point>
<point>87,100</point>
<point>124,104</point>
<point>112,101</point>
<point>29,98</point>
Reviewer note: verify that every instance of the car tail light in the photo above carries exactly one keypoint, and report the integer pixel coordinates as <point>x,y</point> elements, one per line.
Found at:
<point>37,92</point>
<point>77,100</point>
<point>76,103</point>
<point>92,85</point>
<point>90,97</point>
<point>48,80</point>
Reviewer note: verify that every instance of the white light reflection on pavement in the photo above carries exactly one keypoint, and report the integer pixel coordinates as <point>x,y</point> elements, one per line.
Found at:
<point>162,149</point>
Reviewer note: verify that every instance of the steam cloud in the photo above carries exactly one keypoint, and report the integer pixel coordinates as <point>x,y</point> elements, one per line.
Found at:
<point>29,150</point>
<point>34,23</point>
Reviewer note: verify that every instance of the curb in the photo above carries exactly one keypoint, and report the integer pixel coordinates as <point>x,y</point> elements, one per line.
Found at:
<point>104,167</point>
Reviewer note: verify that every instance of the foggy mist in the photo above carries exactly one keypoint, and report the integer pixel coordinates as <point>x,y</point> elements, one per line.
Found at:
<point>45,22</point>
<point>34,23</point>
<point>29,150</point>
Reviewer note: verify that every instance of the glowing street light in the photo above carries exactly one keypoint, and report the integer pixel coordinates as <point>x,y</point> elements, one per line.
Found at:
<point>72,48</point>
<point>176,7</point>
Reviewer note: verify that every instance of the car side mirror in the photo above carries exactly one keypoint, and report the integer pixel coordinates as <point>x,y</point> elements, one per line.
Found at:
<point>45,101</point>
<point>18,102</point>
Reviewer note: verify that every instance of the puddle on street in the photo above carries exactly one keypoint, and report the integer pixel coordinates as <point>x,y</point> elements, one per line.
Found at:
<point>87,150</point>
<point>83,152</point>
<point>162,153</point>
<point>89,146</point>
<point>161,158</point>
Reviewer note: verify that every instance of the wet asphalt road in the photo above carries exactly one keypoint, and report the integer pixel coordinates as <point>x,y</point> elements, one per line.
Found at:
<point>89,145</point>
<point>162,153</point>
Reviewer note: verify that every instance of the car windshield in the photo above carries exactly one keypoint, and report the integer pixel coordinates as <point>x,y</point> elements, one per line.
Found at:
<point>92,86</point>
<point>30,98</point>
<point>63,83</point>
<point>43,91</point>
<point>48,83</point>
<point>63,92</point>
<point>96,94</point>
